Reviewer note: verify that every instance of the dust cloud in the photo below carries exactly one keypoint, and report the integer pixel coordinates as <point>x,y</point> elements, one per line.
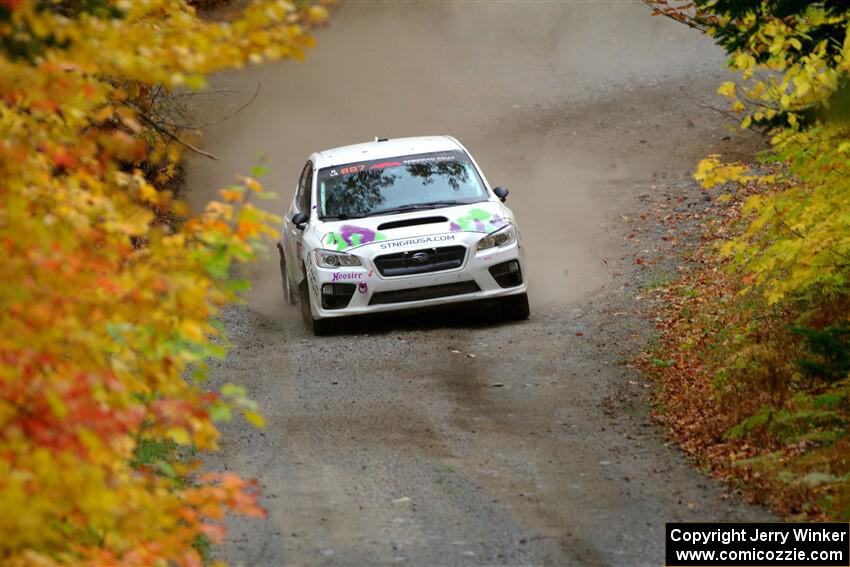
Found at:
<point>569,105</point>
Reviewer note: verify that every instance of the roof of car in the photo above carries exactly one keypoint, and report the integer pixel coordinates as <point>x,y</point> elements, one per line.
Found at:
<point>385,148</point>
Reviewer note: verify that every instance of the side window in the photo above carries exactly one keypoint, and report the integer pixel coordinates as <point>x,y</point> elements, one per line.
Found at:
<point>302,196</point>
<point>304,201</point>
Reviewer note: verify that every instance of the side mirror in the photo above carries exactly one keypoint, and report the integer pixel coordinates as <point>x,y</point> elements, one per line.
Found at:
<point>300,220</point>
<point>501,193</point>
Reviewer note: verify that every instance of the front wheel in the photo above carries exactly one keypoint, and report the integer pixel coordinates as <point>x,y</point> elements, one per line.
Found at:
<point>515,307</point>
<point>319,327</point>
<point>288,295</point>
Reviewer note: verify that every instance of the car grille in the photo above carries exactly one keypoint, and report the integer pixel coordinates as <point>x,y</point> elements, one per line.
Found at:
<point>421,261</point>
<point>420,293</point>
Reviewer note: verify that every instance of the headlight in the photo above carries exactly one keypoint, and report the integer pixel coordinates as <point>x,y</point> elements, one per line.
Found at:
<point>501,237</point>
<point>331,259</point>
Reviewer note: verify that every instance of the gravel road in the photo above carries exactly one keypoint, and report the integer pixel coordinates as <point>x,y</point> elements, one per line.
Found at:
<point>452,438</point>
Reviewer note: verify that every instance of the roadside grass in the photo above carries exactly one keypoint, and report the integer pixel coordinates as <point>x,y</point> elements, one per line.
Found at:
<point>660,279</point>
<point>166,458</point>
<point>758,395</point>
<point>153,452</point>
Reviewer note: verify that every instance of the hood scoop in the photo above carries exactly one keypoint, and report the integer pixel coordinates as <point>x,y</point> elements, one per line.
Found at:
<point>411,222</point>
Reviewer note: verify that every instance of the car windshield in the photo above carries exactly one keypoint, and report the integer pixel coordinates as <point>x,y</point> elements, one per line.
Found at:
<point>421,181</point>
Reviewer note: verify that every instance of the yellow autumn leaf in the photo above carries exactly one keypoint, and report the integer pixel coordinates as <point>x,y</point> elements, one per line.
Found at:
<point>148,193</point>
<point>727,89</point>
<point>255,419</point>
<point>253,184</point>
<point>57,406</point>
<point>179,436</point>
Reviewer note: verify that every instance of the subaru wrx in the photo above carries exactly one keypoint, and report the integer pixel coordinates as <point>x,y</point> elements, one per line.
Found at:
<point>398,224</point>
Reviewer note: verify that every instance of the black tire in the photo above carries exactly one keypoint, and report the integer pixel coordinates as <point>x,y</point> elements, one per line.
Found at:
<point>304,301</point>
<point>515,307</point>
<point>318,327</point>
<point>288,293</point>
<point>322,327</point>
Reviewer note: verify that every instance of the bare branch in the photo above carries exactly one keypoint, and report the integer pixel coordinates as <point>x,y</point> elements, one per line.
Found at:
<point>168,133</point>
<point>727,113</point>
<point>223,118</point>
<point>675,14</point>
<point>206,93</point>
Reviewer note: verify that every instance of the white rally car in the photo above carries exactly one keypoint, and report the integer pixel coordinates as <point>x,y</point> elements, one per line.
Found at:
<point>398,224</point>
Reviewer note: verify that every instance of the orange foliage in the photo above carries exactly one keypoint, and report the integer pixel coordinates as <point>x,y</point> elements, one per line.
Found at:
<point>108,310</point>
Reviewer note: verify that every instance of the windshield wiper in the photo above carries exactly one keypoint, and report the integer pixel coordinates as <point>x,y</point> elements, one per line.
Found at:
<point>401,209</point>
<point>342,216</point>
<point>419,207</point>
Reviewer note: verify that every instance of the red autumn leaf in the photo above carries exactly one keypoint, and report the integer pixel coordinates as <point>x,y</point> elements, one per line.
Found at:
<point>63,159</point>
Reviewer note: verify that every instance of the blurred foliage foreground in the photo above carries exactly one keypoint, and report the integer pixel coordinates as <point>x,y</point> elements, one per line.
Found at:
<point>753,362</point>
<point>110,288</point>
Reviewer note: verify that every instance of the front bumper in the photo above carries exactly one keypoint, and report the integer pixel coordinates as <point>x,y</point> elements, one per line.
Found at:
<point>371,292</point>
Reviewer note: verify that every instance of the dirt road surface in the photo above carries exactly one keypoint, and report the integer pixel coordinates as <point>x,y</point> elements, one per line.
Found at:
<point>531,445</point>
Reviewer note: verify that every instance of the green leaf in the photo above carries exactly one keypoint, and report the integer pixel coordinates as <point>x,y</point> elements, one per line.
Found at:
<point>233,390</point>
<point>195,82</point>
<point>239,286</point>
<point>259,171</point>
<point>220,412</point>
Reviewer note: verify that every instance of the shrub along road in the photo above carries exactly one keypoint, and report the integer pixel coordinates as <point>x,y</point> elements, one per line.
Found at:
<point>452,438</point>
